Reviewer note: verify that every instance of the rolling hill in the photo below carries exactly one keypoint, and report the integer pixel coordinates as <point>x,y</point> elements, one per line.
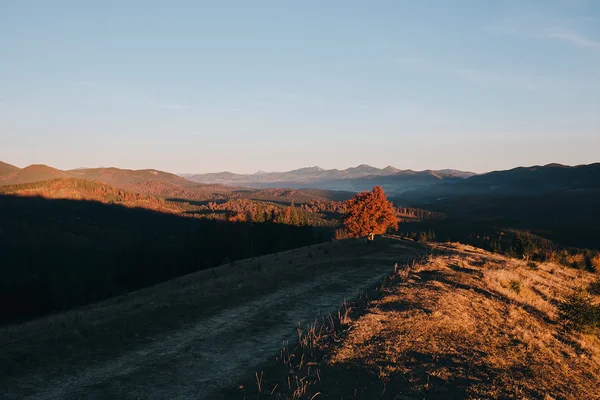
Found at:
<point>153,182</point>
<point>81,189</point>
<point>125,177</point>
<point>7,169</point>
<point>32,173</point>
<point>358,178</point>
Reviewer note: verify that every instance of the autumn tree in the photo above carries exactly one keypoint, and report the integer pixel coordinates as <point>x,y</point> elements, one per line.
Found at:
<point>369,214</point>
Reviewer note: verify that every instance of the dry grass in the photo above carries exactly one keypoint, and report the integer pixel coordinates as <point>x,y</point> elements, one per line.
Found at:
<point>464,323</point>
<point>458,328</point>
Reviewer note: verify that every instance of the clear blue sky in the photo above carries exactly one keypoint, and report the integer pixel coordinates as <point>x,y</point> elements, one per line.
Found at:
<point>201,86</point>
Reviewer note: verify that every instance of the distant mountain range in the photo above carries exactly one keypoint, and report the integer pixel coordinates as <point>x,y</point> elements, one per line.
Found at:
<point>521,181</point>
<point>410,186</point>
<point>148,181</point>
<point>555,201</point>
<point>358,178</point>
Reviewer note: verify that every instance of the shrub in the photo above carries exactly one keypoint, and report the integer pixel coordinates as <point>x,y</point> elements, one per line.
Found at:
<point>578,311</point>
<point>576,260</point>
<point>594,287</point>
<point>592,261</point>
<point>532,265</point>
<point>515,286</point>
<point>341,234</point>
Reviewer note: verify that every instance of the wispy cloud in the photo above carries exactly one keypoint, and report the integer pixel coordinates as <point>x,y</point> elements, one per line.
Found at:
<point>477,76</point>
<point>572,37</point>
<point>492,78</point>
<point>184,107</point>
<point>544,28</point>
<point>173,107</point>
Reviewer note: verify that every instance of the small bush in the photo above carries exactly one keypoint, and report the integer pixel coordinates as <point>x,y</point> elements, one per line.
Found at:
<point>341,234</point>
<point>594,287</point>
<point>515,286</point>
<point>532,265</point>
<point>578,311</point>
<point>593,262</point>
<point>576,261</point>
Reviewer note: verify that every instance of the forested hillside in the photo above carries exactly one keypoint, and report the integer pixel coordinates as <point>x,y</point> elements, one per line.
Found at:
<point>57,254</point>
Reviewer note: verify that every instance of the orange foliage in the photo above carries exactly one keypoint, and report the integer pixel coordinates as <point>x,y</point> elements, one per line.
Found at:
<point>369,214</point>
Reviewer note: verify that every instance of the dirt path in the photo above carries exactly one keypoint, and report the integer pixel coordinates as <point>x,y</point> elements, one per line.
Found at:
<point>216,352</point>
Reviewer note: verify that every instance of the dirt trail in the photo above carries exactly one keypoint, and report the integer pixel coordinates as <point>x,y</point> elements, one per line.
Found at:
<point>216,352</point>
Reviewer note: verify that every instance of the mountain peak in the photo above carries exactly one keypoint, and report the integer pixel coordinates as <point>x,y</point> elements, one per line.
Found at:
<point>33,173</point>
<point>311,169</point>
<point>556,165</point>
<point>6,169</point>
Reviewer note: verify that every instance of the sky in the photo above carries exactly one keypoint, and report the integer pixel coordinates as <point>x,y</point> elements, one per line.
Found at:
<point>206,86</point>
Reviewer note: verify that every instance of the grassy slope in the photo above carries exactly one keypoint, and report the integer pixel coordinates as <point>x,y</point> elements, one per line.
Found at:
<point>97,332</point>
<point>452,327</point>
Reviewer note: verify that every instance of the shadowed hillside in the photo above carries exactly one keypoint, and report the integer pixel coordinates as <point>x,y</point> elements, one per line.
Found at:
<point>521,181</point>
<point>57,254</point>
<point>556,202</point>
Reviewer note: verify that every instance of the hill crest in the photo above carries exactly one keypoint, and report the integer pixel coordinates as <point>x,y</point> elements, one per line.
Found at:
<point>32,173</point>
<point>7,169</point>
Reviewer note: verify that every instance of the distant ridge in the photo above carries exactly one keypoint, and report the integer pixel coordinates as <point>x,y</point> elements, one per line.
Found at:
<point>7,169</point>
<point>150,182</point>
<point>32,173</point>
<point>119,177</point>
<point>520,181</point>
<point>357,178</point>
